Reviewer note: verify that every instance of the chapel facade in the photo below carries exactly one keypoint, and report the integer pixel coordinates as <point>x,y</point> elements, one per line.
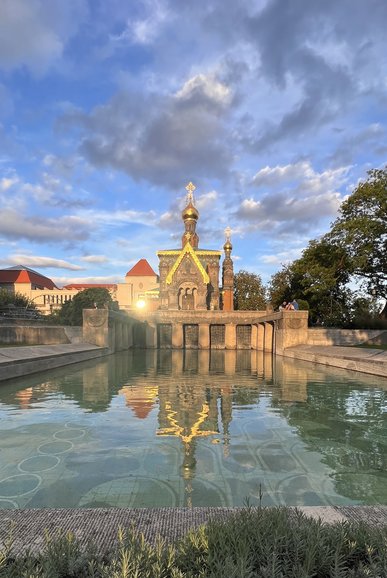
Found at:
<point>189,276</point>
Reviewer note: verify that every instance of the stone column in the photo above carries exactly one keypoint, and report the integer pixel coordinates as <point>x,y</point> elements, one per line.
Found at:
<point>125,337</point>
<point>230,336</point>
<point>254,337</point>
<point>130,335</point>
<point>118,336</point>
<point>268,338</point>
<point>254,362</point>
<point>204,336</point>
<point>177,335</point>
<point>260,336</point>
<point>151,335</point>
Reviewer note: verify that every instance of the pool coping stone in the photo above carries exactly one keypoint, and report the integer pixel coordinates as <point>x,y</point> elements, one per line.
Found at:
<point>24,360</point>
<point>101,525</point>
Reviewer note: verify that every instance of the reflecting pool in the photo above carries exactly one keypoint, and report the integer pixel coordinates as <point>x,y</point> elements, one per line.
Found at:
<point>194,428</point>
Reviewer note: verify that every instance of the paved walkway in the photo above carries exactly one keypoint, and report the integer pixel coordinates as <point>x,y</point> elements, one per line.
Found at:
<point>19,361</point>
<point>372,361</point>
<point>101,524</point>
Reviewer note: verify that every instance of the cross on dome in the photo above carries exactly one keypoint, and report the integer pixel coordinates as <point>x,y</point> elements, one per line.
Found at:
<point>190,189</point>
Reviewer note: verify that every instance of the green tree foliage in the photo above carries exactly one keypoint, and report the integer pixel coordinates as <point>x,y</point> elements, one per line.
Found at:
<point>71,311</point>
<point>17,299</point>
<point>320,277</point>
<point>318,281</point>
<point>361,232</point>
<point>281,287</point>
<point>249,292</point>
<point>355,247</point>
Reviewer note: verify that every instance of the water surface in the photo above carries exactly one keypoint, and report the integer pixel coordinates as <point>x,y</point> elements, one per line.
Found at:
<point>167,428</point>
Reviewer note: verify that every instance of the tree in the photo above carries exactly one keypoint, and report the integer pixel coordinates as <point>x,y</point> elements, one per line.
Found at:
<point>16,299</point>
<point>249,292</point>
<point>361,232</point>
<point>71,311</point>
<point>280,287</point>
<point>317,280</point>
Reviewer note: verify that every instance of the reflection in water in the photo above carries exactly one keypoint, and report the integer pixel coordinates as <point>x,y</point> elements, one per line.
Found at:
<point>172,428</point>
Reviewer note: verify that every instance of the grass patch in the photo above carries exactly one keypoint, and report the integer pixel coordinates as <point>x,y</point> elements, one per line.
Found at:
<point>266,543</point>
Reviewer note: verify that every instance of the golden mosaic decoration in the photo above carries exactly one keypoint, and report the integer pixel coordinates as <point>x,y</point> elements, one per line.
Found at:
<point>187,249</point>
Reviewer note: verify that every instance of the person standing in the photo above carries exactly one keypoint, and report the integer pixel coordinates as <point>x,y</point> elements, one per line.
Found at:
<point>295,305</point>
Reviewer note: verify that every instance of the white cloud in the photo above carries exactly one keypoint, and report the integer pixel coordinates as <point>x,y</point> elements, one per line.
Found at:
<point>8,182</point>
<point>301,173</point>
<point>14,225</point>
<point>94,259</point>
<point>60,281</point>
<point>296,198</point>
<point>113,217</point>
<point>207,86</point>
<point>143,30</point>
<point>156,137</point>
<point>34,33</point>
<point>282,257</point>
<point>42,262</point>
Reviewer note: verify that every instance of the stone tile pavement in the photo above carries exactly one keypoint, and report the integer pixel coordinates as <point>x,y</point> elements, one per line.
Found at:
<point>101,524</point>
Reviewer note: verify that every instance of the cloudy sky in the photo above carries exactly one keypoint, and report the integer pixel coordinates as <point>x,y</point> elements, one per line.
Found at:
<point>108,108</point>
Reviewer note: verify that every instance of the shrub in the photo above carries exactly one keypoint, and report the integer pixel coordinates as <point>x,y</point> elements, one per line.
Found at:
<point>262,542</point>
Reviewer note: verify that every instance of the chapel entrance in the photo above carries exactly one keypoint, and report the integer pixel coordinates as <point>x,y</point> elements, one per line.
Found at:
<point>187,298</point>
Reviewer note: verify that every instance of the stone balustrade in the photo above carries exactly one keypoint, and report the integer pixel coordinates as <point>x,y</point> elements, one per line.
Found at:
<point>259,330</point>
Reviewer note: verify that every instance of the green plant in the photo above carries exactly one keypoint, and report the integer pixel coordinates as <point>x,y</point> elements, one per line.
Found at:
<point>254,542</point>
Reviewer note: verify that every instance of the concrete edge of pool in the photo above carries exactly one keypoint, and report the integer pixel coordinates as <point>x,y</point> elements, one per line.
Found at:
<point>370,361</point>
<point>101,524</point>
<point>20,361</point>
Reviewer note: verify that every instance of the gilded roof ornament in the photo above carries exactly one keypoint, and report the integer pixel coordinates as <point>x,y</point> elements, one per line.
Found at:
<point>187,250</point>
<point>227,246</point>
<point>190,189</point>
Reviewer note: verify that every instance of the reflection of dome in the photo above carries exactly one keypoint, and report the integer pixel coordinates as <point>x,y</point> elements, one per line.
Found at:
<point>227,246</point>
<point>190,212</point>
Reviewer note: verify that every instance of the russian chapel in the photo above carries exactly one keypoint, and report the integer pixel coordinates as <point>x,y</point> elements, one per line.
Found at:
<point>189,277</point>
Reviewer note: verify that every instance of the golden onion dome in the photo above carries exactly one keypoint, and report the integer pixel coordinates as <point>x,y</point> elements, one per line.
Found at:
<point>227,246</point>
<point>190,212</point>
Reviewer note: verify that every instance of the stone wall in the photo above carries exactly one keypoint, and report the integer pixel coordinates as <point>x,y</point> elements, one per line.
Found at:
<point>328,336</point>
<point>38,335</point>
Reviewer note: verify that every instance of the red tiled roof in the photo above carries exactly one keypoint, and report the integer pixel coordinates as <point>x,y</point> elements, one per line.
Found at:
<point>90,285</point>
<point>141,269</point>
<point>26,276</point>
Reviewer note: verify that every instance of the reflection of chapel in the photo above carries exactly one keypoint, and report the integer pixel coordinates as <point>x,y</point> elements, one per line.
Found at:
<point>189,277</point>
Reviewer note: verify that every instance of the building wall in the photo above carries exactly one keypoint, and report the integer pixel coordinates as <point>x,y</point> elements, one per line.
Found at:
<point>49,300</point>
<point>133,289</point>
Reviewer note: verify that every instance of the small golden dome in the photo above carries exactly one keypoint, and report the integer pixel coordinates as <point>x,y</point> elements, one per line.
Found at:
<point>227,246</point>
<point>190,212</point>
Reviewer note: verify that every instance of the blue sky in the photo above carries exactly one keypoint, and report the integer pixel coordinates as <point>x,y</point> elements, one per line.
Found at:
<point>108,108</point>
